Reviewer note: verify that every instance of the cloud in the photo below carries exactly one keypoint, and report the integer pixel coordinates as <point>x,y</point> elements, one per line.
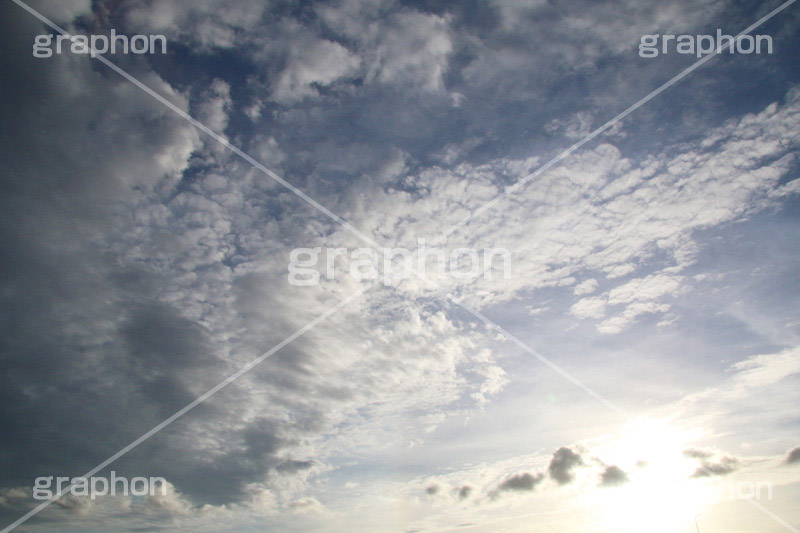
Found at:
<point>750,383</point>
<point>793,456</point>
<point>205,24</point>
<point>561,465</point>
<point>307,505</point>
<point>309,63</point>
<point>587,286</point>
<point>577,127</point>
<point>695,453</point>
<point>725,466</point>
<point>613,476</point>
<point>465,491</point>
<point>214,109</point>
<point>713,462</point>
<point>142,263</point>
<point>589,308</point>
<point>293,466</point>
<point>766,369</point>
<point>523,482</point>
<point>412,50</point>
<point>721,466</point>
<point>63,12</point>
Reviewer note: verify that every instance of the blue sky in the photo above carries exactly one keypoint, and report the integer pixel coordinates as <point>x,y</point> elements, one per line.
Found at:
<point>657,266</point>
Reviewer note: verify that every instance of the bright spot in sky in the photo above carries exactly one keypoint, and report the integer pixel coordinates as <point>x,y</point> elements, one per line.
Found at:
<point>659,497</point>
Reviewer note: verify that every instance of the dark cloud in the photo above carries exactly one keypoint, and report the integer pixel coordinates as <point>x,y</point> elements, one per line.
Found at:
<point>721,467</point>
<point>432,490</point>
<point>793,456</point>
<point>523,482</point>
<point>293,466</point>
<point>102,336</point>
<point>612,476</point>
<point>712,463</point>
<point>94,353</point>
<point>561,465</point>
<point>695,453</point>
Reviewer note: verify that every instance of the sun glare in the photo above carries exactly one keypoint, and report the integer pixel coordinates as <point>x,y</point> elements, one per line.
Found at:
<point>659,496</point>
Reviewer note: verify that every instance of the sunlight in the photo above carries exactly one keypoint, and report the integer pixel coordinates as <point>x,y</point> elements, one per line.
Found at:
<point>659,496</point>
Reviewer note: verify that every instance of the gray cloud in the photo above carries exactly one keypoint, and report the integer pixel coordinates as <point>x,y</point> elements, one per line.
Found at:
<point>306,505</point>
<point>612,476</point>
<point>793,456</point>
<point>141,264</point>
<point>294,466</point>
<point>695,453</point>
<point>721,467</point>
<point>561,465</point>
<point>92,347</point>
<point>712,462</point>
<point>523,482</point>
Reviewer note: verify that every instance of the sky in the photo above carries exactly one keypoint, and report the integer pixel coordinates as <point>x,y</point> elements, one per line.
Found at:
<point>636,367</point>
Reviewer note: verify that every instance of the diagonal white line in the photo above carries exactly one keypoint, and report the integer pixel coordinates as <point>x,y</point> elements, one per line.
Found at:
<point>772,515</point>
<point>560,371</point>
<point>211,133</point>
<point>566,153</point>
<point>331,215</point>
<point>222,140</point>
<point>555,161</point>
<point>194,403</point>
<point>369,240</point>
<point>588,390</point>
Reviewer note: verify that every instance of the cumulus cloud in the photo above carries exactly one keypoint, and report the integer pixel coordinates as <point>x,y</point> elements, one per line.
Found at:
<point>63,12</point>
<point>562,464</point>
<point>523,482</point>
<point>793,456</point>
<point>586,287</point>
<point>306,505</point>
<point>613,476</point>
<point>215,107</point>
<point>143,263</point>
<point>712,463</point>
<point>310,62</point>
<point>209,24</point>
<point>412,50</point>
<point>726,465</point>
<point>695,453</point>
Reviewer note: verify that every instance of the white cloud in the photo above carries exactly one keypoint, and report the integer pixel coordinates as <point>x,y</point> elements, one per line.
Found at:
<point>589,308</point>
<point>587,286</point>
<point>395,367</point>
<point>214,110</point>
<point>62,12</point>
<point>207,23</point>
<point>311,61</point>
<point>411,51</point>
